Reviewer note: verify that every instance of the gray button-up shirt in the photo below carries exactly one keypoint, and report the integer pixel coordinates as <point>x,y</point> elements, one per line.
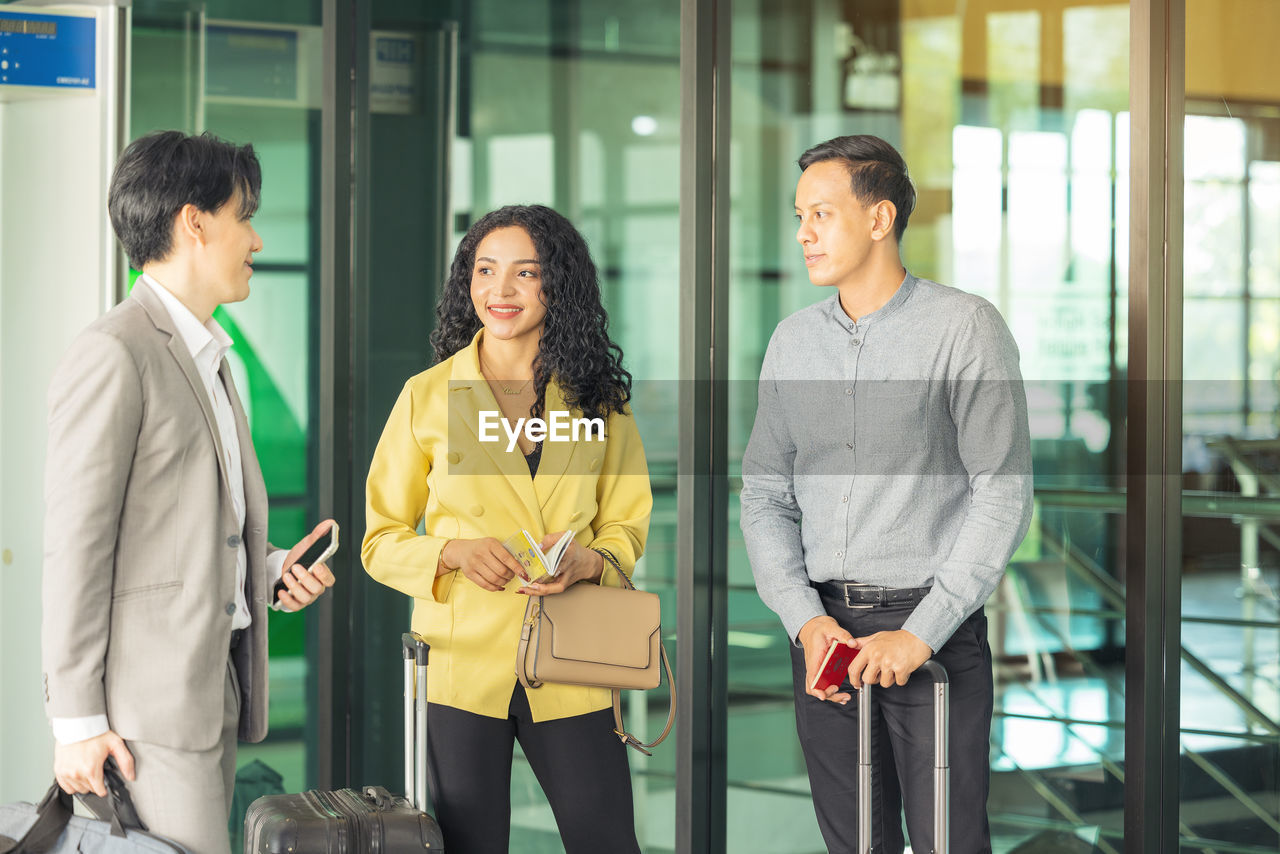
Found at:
<point>891,451</point>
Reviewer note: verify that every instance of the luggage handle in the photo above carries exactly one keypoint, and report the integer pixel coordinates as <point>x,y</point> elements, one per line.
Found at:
<point>381,798</point>
<point>117,807</point>
<point>416,651</point>
<point>941,765</point>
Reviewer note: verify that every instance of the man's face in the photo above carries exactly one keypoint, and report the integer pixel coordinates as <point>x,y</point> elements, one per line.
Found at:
<point>835,229</point>
<point>226,261</point>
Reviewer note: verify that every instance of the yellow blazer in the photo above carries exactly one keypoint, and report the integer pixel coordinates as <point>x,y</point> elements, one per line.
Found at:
<point>431,469</point>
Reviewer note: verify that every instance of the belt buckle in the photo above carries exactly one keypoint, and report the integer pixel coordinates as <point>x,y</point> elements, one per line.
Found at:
<point>860,606</point>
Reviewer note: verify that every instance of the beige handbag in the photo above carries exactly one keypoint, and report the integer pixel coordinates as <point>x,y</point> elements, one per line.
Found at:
<point>603,637</point>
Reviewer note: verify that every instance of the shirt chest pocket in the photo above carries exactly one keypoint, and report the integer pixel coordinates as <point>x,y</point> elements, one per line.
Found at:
<point>892,419</point>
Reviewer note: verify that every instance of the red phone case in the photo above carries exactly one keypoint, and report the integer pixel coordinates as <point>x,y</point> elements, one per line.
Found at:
<point>835,667</point>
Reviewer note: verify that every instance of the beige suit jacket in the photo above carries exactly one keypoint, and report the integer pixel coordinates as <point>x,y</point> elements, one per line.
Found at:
<point>141,539</point>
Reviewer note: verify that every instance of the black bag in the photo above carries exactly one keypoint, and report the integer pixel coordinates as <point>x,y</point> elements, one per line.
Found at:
<point>347,820</point>
<point>50,826</point>
<point>253,781</point>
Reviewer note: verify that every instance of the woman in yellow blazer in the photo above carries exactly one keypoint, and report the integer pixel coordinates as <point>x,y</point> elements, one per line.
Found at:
<point>520,334</point>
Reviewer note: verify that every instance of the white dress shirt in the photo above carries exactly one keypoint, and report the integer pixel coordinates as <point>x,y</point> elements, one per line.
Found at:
<point>208,343</point>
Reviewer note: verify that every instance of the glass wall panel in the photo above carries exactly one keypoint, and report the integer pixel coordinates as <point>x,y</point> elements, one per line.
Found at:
<point>249,73</point>
<point>1013,120</point>
<point>1230,708</point>
<point>575,105</point>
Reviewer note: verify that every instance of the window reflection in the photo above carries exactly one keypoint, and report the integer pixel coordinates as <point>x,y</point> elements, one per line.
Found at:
<point>1014,123</point>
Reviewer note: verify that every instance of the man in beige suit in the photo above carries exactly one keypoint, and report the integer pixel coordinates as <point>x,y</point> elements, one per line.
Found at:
<point>158,573</point>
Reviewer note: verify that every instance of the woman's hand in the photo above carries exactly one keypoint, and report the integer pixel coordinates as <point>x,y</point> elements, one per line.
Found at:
<point>485,561</point>
<point>578,563</point>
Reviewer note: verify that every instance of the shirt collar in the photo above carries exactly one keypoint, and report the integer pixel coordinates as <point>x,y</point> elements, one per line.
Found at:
<point>836,313</point>
<point>196,335</point>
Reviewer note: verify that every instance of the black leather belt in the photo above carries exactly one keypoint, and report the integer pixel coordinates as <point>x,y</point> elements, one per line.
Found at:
<point>236,636</point>
<point>856,595</point>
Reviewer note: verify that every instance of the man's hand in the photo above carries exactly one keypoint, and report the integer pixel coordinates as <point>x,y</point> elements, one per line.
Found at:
<point>578,563</point>
<point>302,585</point>
<point>816,636</point>
<point>888,658</point>
<point>485,561</point>
<point>78,766</point>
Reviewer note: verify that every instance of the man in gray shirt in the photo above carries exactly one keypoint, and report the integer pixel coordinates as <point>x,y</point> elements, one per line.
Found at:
<point>885,486</point>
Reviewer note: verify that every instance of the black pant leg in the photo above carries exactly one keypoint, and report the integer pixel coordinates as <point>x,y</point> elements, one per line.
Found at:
<point>582,767</point>
<point>469,765</point>
<point>908,711</point>
<point>829,740</point>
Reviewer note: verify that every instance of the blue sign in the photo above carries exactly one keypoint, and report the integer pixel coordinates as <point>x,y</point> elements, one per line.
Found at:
<point>395,50</point>
<point>47,50</point>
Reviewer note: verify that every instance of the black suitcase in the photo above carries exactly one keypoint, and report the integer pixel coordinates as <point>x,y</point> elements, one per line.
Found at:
<point>941,765</point>
<point>347,821</point>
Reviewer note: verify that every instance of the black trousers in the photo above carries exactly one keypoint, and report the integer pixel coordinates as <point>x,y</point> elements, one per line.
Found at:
<point>901,743</point>
<point>580,763</point>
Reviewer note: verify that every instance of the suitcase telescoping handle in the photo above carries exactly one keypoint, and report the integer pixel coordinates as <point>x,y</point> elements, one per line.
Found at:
<point>941,766</point>
<point>416,651</point>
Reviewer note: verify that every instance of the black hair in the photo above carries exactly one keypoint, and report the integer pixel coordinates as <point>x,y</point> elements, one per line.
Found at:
<point>161,172</point>
<point>876,170</point>
<point>575,347</point>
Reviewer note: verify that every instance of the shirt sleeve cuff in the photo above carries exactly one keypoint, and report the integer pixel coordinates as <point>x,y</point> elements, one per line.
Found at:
<point>71,730</point>
<point>932,622</point>
<point>799,608</point>
<point>275,569</point>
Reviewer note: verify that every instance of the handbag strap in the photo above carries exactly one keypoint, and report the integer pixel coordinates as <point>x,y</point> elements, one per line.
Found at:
<point>531,609</point>
<point>620,729</point>
<point>52,816</point>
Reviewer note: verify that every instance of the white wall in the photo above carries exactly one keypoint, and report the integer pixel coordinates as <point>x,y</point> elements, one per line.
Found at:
<point>51,284</point>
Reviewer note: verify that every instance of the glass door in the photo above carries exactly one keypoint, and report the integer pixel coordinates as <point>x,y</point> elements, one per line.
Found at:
<point>467,107</point>
<point>250,73</point>
<point>1013,120</point>
<point>1230,708</point>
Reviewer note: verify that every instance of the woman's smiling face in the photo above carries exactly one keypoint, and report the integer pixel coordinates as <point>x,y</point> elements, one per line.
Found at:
<point>506,284</point>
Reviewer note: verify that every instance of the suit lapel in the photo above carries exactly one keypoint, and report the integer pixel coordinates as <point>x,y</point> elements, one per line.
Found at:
<point>555,455</point>
<point>469,395</point>
<point>178,349</point>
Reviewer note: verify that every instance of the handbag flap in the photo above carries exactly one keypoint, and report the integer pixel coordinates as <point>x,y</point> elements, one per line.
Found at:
<point>607,625</point>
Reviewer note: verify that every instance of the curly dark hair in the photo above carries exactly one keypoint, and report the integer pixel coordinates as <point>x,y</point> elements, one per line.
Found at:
<point>575,347</point>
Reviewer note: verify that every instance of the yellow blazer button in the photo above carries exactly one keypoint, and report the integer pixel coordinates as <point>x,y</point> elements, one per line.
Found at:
<point>577,514</point>
<point>477,509</point>
<point>454,457</point>
<point>595,464</point>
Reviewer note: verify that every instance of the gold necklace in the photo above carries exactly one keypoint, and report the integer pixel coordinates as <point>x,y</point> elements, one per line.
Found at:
<point>505,390</point>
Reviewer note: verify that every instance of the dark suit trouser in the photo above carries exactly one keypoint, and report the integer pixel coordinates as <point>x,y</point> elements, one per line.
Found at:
<point>902,743</point>
<point>580,763</point>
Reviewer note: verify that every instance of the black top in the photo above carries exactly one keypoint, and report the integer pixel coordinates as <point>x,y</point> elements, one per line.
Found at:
<point>533,458</point>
